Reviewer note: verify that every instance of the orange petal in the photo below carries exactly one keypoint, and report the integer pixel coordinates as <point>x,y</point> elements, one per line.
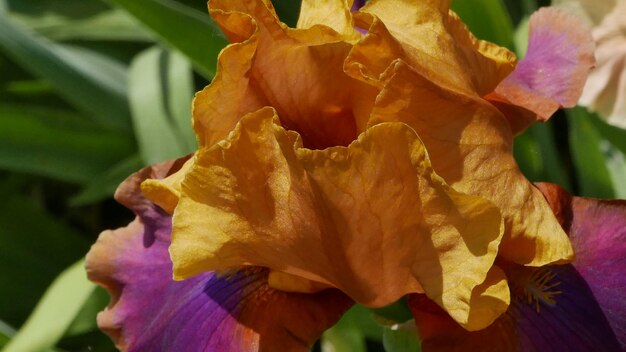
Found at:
<point>470,144</point>
<point>237,312</point>
<point>371,219</point>
<point>439,46</point>
<point>334,14</point>
<point>165,191</point>
<point>299,72</point>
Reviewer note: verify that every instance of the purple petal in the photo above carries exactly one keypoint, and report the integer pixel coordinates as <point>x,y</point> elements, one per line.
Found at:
<point>233,312</point>
<point>572,322</point>
<point>357,4</point>
<point>554,71</point>
<point>597,229</point>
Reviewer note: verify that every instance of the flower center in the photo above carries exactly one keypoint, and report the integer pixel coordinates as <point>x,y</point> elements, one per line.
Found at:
<point>541,287</point>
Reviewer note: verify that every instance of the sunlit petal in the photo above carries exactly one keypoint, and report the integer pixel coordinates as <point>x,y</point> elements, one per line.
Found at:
<point>232,313</point>
<point>372,219</point>
<point>469,143</point>
<point>439,46</point>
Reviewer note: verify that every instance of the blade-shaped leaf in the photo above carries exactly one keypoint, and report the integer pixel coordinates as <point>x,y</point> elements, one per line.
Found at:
<point>553,168</point>
<point>34,248</point>
<point>591,152</point>
<point>90,81</point>
<point>539,159</point>
<point>6,333</point>
<point>57,144</point>
<point>156,129</point>
<point>179,86</point>
<point>528,156</point>
<point>106,25</point>
<point>104,185</point>
<point>54,312</point>
<point>85,320</point>
<point>190,31</point>
<point>615,135</point>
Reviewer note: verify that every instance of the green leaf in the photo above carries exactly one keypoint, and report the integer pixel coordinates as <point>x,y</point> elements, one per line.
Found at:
<point>6,333</point>
<point>364,319</point>
<point>615,135</point>
<point>57,144</point>
<point>179,86</point>
<point>153,90</point>
<point>103,186</point>
<point>34,248</point>
<point>85,320</point>
<point>190,31</point>
<point>401,338</point>
<point>345,336</point>
<point>92,82</point>
<point>528,156</point>
<point>106,25</point>
<point>288,11</point>
<point>521,37</point>
<point>487,19</point>
<point>539,159</point>
<point>397,312</point>
<point>589,152</point>
<point>55,312</point>
<point>553,167</point>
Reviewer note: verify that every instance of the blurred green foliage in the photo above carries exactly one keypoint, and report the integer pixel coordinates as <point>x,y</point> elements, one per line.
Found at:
<point>93,90</point>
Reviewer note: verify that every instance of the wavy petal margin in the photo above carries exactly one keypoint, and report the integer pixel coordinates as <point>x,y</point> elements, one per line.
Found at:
<point>439,46</point>
<point>469,144</point>
<point>371,219</point>
<point>298,71</point>
<point>577,307</point>
<point>553,73</point>
<point>233,312</point>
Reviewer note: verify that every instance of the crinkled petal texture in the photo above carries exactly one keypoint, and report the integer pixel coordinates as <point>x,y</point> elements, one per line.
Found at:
<point>418,64</point>
<point>553,73</point>
<point>597,229</point>
<point>371,219</point>
<point>439,46</point>
<point>296,71</point>
<point>468,139</point>
<point>577,307</point>
<point>232,313</point>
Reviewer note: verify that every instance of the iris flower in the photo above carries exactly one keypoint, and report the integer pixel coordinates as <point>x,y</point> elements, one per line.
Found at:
<point>358,158</point>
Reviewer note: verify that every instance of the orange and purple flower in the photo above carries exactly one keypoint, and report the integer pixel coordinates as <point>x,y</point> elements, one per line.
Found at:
<point>337,167</point>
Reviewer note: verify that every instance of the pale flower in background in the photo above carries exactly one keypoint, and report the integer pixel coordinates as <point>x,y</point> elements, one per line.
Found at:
<point>605,91</point>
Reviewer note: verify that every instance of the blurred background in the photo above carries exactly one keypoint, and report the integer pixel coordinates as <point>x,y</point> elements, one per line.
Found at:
<point>91,91</point>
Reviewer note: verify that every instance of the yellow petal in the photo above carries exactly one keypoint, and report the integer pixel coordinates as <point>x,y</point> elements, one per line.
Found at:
<point>165,192</point>
<point>299,72</point>
<point>439,46</point>
<point>470,145</point>
<point>371,219</point>
<point>489,300</point>
<point>331,13</point>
